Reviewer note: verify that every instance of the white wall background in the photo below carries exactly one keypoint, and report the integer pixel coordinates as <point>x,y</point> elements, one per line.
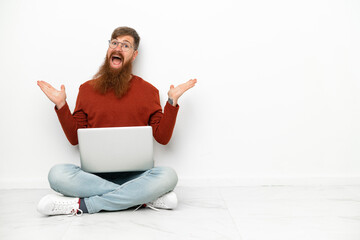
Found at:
<point>277,99</point>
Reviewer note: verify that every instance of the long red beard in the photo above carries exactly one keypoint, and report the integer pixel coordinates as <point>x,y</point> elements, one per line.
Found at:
<point>107,79</point>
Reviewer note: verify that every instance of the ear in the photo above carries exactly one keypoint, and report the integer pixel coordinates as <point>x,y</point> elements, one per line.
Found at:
<point>134,55</point>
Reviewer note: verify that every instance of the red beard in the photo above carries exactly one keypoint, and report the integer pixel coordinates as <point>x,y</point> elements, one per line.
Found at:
<point>107,78</point>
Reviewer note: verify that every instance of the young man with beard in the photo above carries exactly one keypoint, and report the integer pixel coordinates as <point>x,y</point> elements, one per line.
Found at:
<point>114,98</point>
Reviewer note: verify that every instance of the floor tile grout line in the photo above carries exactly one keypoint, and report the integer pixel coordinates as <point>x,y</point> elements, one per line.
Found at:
<point>231,216</point>
<point>68,228</point>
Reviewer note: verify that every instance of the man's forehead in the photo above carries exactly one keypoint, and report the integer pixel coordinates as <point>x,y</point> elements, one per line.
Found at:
<point>125,38</point>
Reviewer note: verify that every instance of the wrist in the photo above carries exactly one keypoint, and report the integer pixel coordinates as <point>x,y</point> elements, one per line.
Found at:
<point>172,102</point>
<point>60,105</point>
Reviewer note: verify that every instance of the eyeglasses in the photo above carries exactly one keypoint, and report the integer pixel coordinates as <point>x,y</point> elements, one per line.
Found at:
<point>124,45</point>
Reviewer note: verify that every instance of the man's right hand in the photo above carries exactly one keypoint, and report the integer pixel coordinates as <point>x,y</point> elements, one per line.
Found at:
<point>56,96</point>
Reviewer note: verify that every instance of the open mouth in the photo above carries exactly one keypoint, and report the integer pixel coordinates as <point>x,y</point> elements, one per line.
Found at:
<point>116,59</point>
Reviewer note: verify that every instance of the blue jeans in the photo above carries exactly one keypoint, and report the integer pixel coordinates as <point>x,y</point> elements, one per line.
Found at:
<point>112,191</point>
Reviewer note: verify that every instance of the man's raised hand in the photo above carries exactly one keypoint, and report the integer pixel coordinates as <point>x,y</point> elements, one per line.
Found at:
<point>175,92</point>
<point>56,96</point>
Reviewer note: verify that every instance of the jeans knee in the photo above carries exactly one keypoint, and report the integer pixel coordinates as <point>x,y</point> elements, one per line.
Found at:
<point>60,174</point>
<point>169,176</point>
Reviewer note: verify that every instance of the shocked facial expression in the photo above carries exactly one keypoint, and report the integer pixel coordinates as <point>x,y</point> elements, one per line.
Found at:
<point>121,50</point>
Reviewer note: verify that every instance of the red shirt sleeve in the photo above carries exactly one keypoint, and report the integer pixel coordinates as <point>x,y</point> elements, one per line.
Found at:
<point>70,123</point>
<point>163,123</point>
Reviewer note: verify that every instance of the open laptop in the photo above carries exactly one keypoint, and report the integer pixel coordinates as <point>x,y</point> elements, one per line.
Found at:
<point>116,149</point>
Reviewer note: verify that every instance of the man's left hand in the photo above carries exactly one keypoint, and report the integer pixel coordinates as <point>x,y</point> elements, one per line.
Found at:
<point>175,92</point>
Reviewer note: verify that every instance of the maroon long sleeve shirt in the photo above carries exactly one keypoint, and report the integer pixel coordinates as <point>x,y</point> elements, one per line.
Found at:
<point>140,106</point>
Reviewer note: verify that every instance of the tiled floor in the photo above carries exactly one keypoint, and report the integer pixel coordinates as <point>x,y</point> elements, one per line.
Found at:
<point>249,213</point>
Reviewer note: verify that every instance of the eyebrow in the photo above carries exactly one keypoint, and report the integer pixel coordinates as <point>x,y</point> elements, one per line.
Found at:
<point>126,41</point>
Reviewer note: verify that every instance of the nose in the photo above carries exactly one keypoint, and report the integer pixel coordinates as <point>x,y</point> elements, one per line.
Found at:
<point>119,46</point>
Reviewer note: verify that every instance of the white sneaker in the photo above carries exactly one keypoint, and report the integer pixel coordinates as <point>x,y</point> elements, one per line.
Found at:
<point>166,201</point>
<point>53,204</point>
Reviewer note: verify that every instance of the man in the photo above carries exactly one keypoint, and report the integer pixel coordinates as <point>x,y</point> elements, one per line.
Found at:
<point>114,98</point>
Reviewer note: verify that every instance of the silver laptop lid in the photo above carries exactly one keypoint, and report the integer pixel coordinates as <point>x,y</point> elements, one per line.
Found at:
<point>116,149</point>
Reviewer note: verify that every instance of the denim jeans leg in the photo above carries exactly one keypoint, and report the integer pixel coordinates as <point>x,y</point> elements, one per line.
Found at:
<point>147,187</point>
<point>70,180</point>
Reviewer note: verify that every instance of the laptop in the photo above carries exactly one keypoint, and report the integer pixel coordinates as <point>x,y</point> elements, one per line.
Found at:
<point>116,149</point>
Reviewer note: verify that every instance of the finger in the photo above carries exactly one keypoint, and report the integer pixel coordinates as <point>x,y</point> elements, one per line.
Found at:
<point>47,85</point>
<point>62,88</point>
<point>46,89</point>
<point>43,83</point>
<point>42,86</point>
<point>190,84</point>
<point>193,81</point>
<point>40,83</point>
<point>186,86</point>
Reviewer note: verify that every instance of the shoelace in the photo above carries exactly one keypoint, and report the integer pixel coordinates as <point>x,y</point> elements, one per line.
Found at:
<point>158,202</point>
<point>75,213</point>
<point>146,205</point>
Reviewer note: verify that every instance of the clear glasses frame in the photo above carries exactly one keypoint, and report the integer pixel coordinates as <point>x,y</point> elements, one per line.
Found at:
<point>123,45</point>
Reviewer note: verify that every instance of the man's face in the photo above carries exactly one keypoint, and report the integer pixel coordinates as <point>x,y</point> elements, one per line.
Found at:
<point>118,56</point>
